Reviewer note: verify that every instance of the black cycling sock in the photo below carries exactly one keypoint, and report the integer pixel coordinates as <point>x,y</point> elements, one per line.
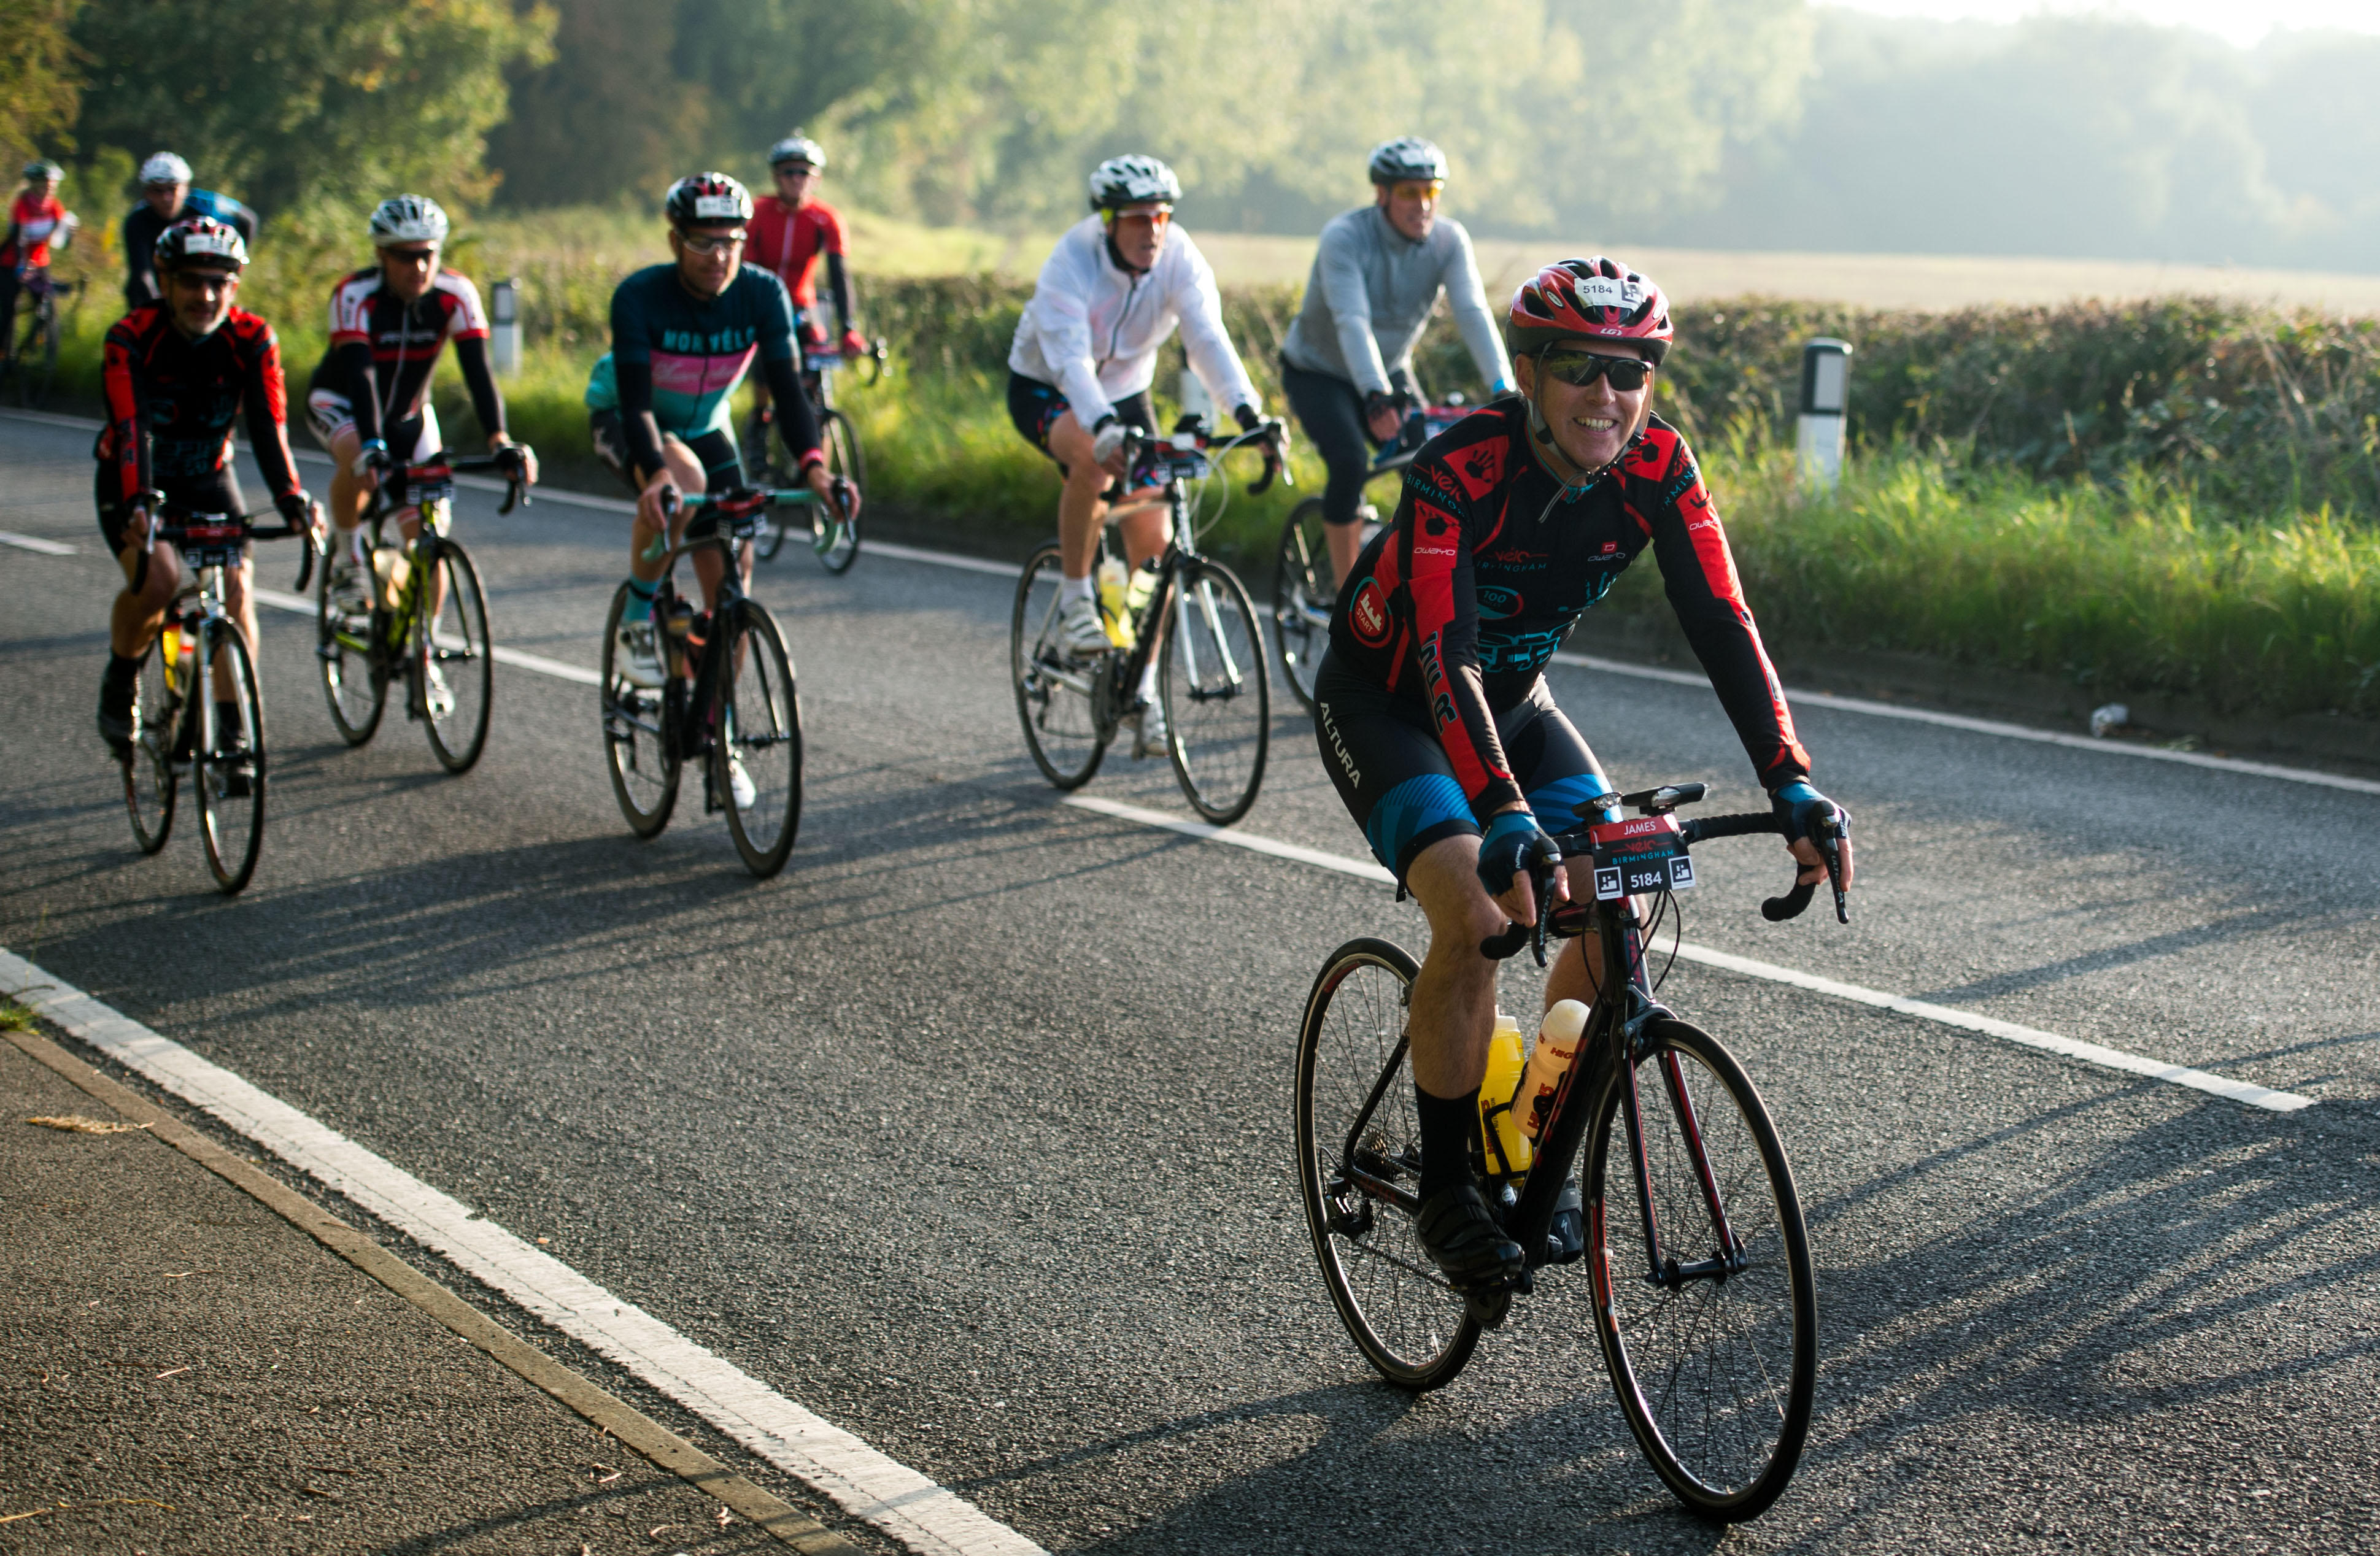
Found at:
<point>227,728</point>
<point>1448,1127</point>
<point>121,673</point>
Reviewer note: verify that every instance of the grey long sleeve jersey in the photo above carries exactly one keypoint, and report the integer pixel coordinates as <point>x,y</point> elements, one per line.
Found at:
<point>1369,297</point>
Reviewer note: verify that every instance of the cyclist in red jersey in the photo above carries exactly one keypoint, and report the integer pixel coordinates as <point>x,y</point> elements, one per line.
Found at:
<point>36,223</point>
<point>176,374</point>
<point>1436,724</point>
<point>791,231</point>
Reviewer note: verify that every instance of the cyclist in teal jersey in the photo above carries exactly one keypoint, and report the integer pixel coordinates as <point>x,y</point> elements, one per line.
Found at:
<point>683,336</point>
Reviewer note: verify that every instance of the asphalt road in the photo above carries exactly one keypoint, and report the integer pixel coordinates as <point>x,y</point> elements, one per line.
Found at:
<point>970,1131</point>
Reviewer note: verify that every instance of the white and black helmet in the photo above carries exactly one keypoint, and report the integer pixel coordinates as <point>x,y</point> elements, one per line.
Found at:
<point>1135,180</point>
<point>1407,157</point>
<point>407,218</point>
<point>797,147</point>
<point>164,168</point>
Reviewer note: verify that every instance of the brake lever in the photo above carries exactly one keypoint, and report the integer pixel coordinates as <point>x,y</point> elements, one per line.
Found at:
<point>1506,943</point>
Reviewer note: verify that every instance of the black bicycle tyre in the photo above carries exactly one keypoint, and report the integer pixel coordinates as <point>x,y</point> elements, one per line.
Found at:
<point>640,704</point>
<point>470,603</point>
<point>334,660</point>
<point>1219,791</point>
<point>1750,1492</point>
<point>1317,1160</point>
<point>763,466</point>
<point>763,856</point>
<point>837,541</point>
<point>1298,642</point>
<point>148,762</point>
<point>232,866</point>
<point>1033,674</point>
<point>41,347</point>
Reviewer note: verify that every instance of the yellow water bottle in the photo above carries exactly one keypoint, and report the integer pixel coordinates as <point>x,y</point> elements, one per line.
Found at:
<point>1115,610</point>
<point>1507,1147</point>
<point>169,643</point>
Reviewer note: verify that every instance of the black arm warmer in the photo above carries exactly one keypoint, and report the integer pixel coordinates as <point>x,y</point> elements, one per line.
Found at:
<point>838,285</point>
<point>797,422</point>
<point>487,400</point>
<point>634,381</point>
<point>351,363</point>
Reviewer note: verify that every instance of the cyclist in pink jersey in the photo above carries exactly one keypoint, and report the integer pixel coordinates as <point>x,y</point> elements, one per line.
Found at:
<point>792,231</point>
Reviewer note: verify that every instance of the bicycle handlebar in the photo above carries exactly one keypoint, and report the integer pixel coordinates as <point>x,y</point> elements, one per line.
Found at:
<point>1271,430</point>
<point>511,461</point>
<point>159,529</point>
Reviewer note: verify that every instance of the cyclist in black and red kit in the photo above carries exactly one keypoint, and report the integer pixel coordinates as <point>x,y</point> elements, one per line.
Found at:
<point>1437,726</point>
<point>176,374</point>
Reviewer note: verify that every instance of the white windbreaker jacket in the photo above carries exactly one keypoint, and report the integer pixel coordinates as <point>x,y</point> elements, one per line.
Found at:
<point>1093,327</point>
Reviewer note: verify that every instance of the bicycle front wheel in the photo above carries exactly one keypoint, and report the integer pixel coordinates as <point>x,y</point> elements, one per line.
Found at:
<point>756,763</point>
<point>1059,695</point>
<point>230,765</point>
<point>834,537</point>
<point>352,685</point>
<point>639,745</point>
<point>453,664</point>
<point>1302,596</point>
<point>1704,1296</point>
<point>1359,1164</point>
<point>38,355</point>
<point>1218,699</point>
<point>149,782</point>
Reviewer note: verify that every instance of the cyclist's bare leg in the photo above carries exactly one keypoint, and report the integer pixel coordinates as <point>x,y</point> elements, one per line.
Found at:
<point>348,494</point>
<point>1453,1007</point>
<point>1577,973</point>
<point>1082,505</point>
<point>132,624</point>
<point>1346,542</point>
<point>240,601</point>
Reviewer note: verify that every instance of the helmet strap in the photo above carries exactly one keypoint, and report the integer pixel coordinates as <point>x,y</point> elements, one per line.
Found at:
<point>1115,255</point>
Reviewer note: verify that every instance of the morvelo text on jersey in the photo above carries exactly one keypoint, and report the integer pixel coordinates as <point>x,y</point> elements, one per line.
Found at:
<point>172,400</point>
<point>1460,602</point>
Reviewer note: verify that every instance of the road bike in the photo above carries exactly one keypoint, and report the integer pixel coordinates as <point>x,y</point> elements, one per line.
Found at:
<point>1304,592</point>
<point>1698,1277</point>
<point>834,537</point>
<point>201,663</point>
<point>727,698</point>
<point>33,337</point>
<point>423,616</point>
<point>1192,609</point>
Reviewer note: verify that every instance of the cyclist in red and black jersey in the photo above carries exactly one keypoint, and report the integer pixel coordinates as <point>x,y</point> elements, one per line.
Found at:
<point>792,231</point>
<point>370,392</point>
<point>176,374</point>
<point>1435,722</point>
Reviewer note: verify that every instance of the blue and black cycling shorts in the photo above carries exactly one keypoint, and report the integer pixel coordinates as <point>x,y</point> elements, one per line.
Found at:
<point>714,451</point>
<point>1396,781</point>
<point>1035,407</point>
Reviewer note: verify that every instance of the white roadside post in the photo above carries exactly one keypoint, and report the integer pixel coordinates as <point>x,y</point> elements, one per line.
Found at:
<point>503,322</point>
<point>1826,397</point>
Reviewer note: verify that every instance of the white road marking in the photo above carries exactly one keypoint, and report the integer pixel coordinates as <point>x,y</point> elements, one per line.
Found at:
<point>923,1516</point>
<point>35,543</point>
<point>300,605</point>
<point>1966,1020</point>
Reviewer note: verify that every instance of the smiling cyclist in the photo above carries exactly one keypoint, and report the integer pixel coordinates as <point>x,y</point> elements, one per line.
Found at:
<point>1116,288</point>
<point>683,336</point>
<point>1437,726</point>
<point>1378,272</point>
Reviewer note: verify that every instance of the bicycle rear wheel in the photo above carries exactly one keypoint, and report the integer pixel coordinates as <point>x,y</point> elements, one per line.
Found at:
<point>1060,698</point>
<point>1302,596</point>
<point>1217,698</point>
<point>354,688</point>
<point>1710,1335</point>
<point>230,779</point>
<point>454,656</point>
<point>639,745</point>
<point>836,538</point>
<point>37,355</point>
<point>1358,1144</point>
<point>149,782</point>
<point>759,722</point>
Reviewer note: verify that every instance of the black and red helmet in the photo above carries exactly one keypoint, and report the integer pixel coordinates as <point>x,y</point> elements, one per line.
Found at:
<point>706,199</point>
<point>1595,300</point>
<point>204,242</point>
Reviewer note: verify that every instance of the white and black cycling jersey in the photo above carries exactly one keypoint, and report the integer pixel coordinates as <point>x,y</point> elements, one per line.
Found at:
<point>1093,327</point>
<point>1369,294</point>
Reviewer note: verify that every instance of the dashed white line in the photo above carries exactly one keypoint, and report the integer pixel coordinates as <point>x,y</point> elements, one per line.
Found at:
<point>1966,1020</point>
<point>921,1514</point>
<point>299,605</point>
<point>35,543</point>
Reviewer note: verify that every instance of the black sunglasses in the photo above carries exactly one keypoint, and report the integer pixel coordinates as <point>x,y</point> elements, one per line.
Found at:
<point>1580,369</point>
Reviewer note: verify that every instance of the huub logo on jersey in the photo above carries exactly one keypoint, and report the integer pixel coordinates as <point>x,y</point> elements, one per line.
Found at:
<point>1368,616</point>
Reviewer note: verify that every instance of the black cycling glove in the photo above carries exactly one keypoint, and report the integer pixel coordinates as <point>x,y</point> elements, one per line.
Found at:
<point>1803,810</point>
<point>1514,842</point>
<point>295,506</point>
<point>1245,414</point>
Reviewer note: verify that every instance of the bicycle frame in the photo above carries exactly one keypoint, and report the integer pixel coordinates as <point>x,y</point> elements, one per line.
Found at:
<point>208,544</point>
<point>686,700</point>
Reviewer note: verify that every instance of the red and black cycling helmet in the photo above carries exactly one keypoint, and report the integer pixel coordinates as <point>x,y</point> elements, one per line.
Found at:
<point>1595,300</point>
<point>707,200</point>
<point>201,242</point>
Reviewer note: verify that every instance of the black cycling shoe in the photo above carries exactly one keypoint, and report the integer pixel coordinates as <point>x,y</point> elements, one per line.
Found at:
<point>1566,1233</point>
<point>116,725</point>
<point>239,770</point>
<point>1463,1240</point>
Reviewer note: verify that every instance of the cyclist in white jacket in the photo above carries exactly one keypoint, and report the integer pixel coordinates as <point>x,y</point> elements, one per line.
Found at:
<point>1114,290</point>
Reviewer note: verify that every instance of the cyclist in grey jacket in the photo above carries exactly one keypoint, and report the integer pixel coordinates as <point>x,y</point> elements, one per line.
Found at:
<point>1378,273</point>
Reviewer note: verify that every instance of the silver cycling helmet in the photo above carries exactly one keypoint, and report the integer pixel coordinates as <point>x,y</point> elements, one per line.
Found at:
<point>1135,180</point>
<point>44,169</point>
<point>1408,156</point>
<point>407,218</point>
<point>797,147</point>
<point>164,168</point>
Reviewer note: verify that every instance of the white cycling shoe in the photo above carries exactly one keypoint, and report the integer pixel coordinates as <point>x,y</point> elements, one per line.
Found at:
<point>435,692</point>
<point>740,784</point>
<point>637,658</point>
<point>1080,630</point>
<point>1153,737</point>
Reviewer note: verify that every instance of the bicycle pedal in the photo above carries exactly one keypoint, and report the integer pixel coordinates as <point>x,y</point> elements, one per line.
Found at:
<point>1488,1306</point>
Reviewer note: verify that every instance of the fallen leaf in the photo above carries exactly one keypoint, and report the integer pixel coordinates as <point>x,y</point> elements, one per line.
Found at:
<point>654,1534</point>
<point>607,1479</point>
<point>75,1122</point>
<point>723,1519</point>
<point>188,1273</point>
<point>162,1376</point>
